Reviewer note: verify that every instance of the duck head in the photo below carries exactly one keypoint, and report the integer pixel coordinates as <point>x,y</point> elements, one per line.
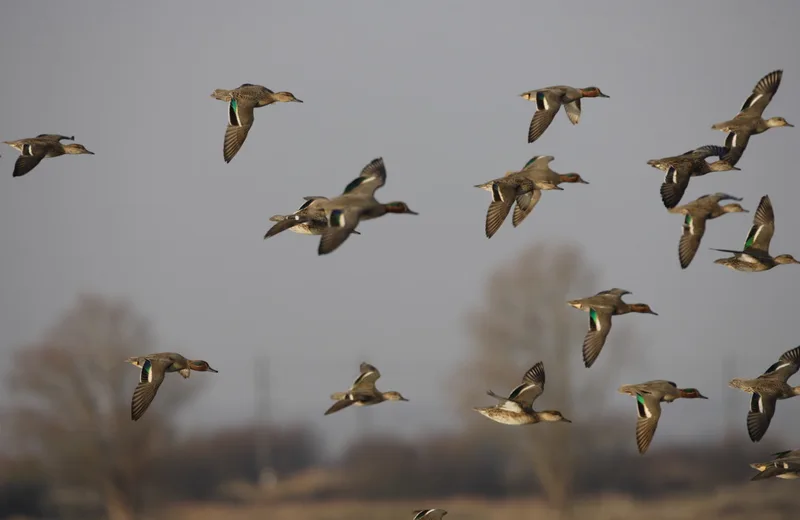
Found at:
<point>774,122</point>
<point>734,208</point>
<point>398,207</point>
<point>76,149</point>
<point>572,177</point>
<point>786,259</point>
<point>393,396</point>
<point>201,366</point>
<point>552,416</point>
<point>642,308</point>
<point>286,97</point>
<point>691,393</point>
<point>592,92</point>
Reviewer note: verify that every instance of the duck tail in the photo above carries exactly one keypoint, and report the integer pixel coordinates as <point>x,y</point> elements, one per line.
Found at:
<point>221,94</point>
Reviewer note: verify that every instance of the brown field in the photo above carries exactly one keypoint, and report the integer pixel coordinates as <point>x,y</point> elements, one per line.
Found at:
<point>771,500</point>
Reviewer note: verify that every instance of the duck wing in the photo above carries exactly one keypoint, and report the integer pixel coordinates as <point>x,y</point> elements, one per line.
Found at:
<point>762,94</point>
<point>240,120</point>
<point>525,204</point>
<point>531,387</point>
<point>151,376</point>
<point>674,186</point>
<point>760,235</point>
<point>648,408</point>
<point>693,229</point>
<point>762,408</point>
<point>547,104</point>
<point>503,196</point>
<point>372,177</point>
<point>599,327</point>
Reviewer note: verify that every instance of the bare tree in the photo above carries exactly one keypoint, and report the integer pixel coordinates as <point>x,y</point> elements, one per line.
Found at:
<point>72,392</point>
<point>524,319</point>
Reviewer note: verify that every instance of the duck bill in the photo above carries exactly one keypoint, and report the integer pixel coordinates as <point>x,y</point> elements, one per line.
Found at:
<point>212,370</point>
<point>298,100</point>
<point>564,419</point>
<point>790,125</point>
<point>412,212</point>
<point>604,95</point>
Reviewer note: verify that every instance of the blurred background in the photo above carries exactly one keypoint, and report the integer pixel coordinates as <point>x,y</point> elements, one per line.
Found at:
<point>155,244</point>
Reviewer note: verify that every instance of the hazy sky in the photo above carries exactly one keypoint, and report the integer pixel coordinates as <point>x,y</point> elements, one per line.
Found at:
<point>433,87</point>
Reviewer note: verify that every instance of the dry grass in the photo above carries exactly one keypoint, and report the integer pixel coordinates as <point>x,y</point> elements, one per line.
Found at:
<point>770,500</point>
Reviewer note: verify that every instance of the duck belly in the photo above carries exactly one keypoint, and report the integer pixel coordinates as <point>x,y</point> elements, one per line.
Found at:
<point>505,416</point>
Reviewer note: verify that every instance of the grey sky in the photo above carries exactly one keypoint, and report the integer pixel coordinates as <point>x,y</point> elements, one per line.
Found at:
<point>432,87</point>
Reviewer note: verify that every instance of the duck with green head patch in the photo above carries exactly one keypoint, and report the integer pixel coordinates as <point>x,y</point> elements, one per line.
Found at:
<point>33,149</point>
<point>696,213</point>
<point>517,408</point>
<point>601,307</point>
<point>748,121</point>
<point>153,369</point>
<point>548,102</point>
<point>355,204</point>
<point>755,256</point>
<point>242,102</point>
<point>363,392</point>
<point>649,397</point>
<point>767,389</point>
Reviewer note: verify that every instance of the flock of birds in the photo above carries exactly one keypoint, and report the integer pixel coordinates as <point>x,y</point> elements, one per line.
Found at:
<point>335,219</point>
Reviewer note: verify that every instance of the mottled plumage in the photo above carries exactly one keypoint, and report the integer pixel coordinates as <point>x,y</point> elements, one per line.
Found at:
<point>767,389</point>
<point>601,307</point>
<point>154,368</point>
<point>696,213</point>
<point>523,187</point>
<point>748,121</point>
<point>649,397</point>
<point>548,102</point>
<point>32,150</point>
<point>755,256</point>
<point>681,168</point>
<point>356,203</point>
<point>242,102</point>
<point>363,391</point>
<point>517,408</point>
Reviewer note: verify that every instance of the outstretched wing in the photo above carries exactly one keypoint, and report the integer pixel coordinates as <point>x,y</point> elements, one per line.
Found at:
<point>648,408</point>
<point>735,143</point>
<point>240,120</point>
<point>693,230</point>
<point>786,366</point>
<point>762,94</point>
<point>538,161</point>
<point>372,177</point>
<point>547,104</point>
<point>573,111</point>
<point>531,387</point>
<point>502,199</point>
<point>762,408</point>
<point>150,379</point>
<point>763,228</point>
<point>365,382</point>
<point>525,204</point>
<point>675,183</point>
<point>599,327</point>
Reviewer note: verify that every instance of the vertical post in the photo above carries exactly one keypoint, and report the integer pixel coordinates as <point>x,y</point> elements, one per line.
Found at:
<point>262,417</point>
